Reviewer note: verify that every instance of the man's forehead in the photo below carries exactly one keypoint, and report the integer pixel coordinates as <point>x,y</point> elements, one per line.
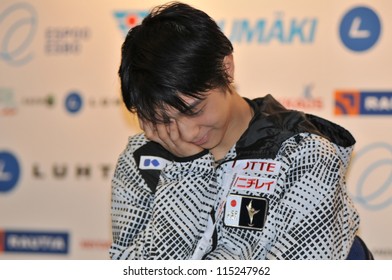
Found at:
<point>169,112</point>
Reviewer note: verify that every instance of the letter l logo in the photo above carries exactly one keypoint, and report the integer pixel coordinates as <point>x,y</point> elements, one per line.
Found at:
<point>355,31</point>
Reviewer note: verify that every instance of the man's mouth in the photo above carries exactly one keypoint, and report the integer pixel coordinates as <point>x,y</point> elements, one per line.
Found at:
<point>201,141</point>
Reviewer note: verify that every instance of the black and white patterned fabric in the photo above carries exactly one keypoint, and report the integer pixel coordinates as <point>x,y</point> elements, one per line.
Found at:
<point>288,169</point>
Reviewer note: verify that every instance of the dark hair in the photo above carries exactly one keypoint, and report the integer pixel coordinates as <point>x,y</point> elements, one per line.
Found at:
<point>177,49</point>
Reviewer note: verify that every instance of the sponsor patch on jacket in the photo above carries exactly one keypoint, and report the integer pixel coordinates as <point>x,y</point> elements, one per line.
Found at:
<point>152,163</point>
<point>257,166</point>
<point>254,184</point>
<point>246,212</point>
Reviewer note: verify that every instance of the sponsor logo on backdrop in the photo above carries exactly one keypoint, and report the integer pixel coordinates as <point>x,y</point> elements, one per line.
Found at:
<point>128,19</point>
<point>66,40</point>
<point>104,102</point>
<point>9,171</point>
<point>7,102</point>
<point>356,102</point>
<point>18,27</point>
<point>73,102</point>
<point>95,244</point>
<point>280,28</point>
<point>360,29</point>
<point>47,101</point>
<point>373,186</point>
<point>384,253</point>
<point>305,102</point>
<point>64,171</point>
<point>35,242</point>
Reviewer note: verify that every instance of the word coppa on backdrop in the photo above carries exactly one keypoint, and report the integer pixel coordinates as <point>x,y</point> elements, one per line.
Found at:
<point>62,122</point>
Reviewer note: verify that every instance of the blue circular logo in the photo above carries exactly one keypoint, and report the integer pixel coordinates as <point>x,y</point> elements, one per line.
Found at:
<point>18,25</point>
<point>360,29</point>
<point>73,102</point>
<point>9,171</point>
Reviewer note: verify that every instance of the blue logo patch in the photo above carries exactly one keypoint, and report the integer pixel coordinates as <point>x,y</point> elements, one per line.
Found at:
<point>148,162</point>
<point>73,102</point>
<point>152,162</point>
<point>9,171</point>
<point>360,29</point>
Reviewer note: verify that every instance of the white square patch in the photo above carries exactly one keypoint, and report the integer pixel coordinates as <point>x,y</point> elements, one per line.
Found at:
<point>152,163</point>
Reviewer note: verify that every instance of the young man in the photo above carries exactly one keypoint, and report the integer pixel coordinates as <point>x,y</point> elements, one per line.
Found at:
<point>215,175</point>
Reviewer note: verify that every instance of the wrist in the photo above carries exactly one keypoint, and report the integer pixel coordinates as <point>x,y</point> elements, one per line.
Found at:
<point>190,158</point>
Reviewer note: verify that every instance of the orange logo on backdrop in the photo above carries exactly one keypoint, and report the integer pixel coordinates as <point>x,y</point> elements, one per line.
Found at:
<point>347,102</point>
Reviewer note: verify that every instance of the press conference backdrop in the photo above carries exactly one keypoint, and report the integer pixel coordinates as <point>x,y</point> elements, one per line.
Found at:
<point>63,125</point>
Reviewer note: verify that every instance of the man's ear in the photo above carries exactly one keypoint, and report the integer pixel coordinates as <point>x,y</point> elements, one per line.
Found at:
<point>228,63</point>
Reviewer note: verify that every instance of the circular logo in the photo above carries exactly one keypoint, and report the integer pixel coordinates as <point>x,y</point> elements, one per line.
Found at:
<point>373,187</point>
<point>73,102</point>
<point>18,25</point>
<point>360,29</point>
<point>9,171</point>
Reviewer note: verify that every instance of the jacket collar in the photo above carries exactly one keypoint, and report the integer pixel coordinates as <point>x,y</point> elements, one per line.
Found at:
<point>272,124</point>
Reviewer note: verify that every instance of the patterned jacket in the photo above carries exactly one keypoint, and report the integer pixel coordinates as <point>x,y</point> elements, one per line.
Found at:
<point>279,193</point>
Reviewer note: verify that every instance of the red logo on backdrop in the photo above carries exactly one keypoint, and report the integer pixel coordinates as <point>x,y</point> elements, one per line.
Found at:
<point>307,101</point>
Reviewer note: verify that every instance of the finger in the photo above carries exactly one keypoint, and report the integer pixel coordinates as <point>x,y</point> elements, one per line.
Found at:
<point>162,137</point>
<point>163,134</point>
<point>149,131</point>
<point>173,130</point>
